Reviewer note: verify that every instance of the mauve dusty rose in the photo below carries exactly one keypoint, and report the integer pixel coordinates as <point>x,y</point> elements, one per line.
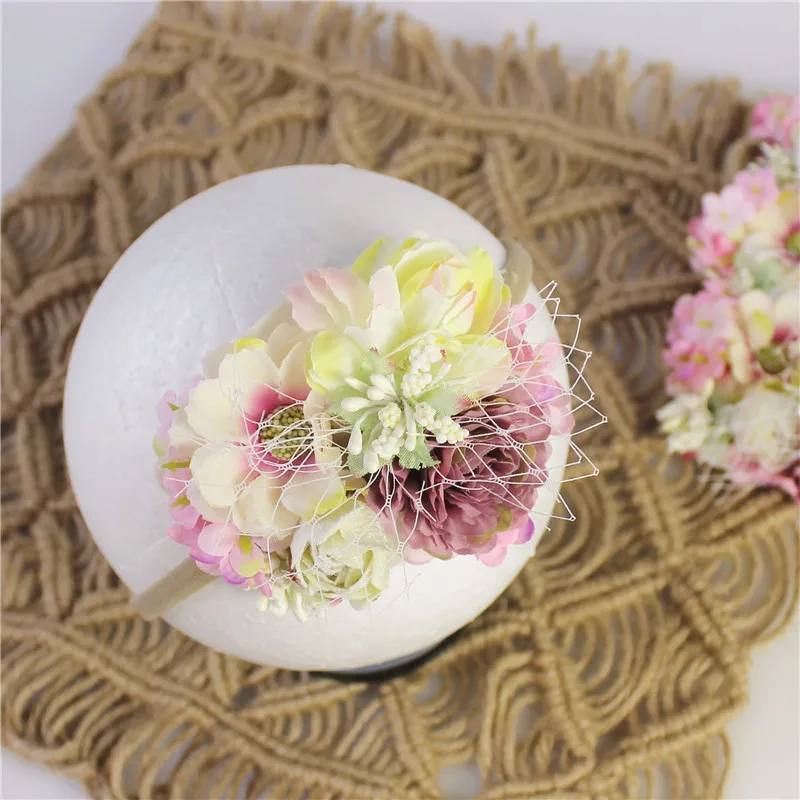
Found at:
<point>456,506</point>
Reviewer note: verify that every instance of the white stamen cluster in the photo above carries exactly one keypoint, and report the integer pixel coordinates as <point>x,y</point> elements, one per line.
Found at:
<point>402,417</point>
<point>448,430</point>
<point>421,360</point>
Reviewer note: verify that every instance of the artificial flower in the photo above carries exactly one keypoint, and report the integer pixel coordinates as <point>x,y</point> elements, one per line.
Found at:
<point>727,213</point>
<point>344,555</point>
<point>254,461</point>
<point>687,420</point>
<point>776,120</point>
<point>402,343</point>
<point>477,490</point>
<point>733,348</point>
<point>764,426</point>
<point>758,186</point>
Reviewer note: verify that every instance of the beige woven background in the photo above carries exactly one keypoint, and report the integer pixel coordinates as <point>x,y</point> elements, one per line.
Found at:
<point>612,665</point>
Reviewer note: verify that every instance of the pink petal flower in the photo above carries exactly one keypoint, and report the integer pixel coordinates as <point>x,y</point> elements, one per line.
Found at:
<point>229,574</point>
<point>693,364</point>
<point>710,250</point>
<point>747,472</point>
<point>201,557</point>
<point>330,299</point>
<point>184,535</point>
<point>218,539</point>
<point>517,535</point>
<point>728,211</point>
<point>774,120</point>
<point>759,187</point>
<point>495,557</point>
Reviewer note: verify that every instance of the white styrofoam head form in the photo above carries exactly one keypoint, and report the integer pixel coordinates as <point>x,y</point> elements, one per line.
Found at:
<point>197,278</point>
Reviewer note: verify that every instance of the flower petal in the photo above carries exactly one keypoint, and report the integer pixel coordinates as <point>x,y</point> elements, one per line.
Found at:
<point>259,509</point>
<point>264,328</point>
<point>218,539</point>
<point>212,415</point>
<point>306,311</point>
<point>183,535</point>
<point>218,471</point>
<point>787,310</point>
<point>495,557</point>
<point>203,507</point>
<point>314,492</point>
<point>181,436</point>
<point>375,256</point>
<point>229,574</point>
<point>247,370</point>
<point>332,358</point>
<point>385,291</point>
<point>422,258</point>
<point>352,293</point>
<point>293,369</point>
<point>245,558</point>
<point>283,339</point>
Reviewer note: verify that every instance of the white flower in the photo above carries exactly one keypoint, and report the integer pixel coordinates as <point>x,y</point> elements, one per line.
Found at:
<point>687,421</point>
<point>345,555</point>
<point>764,424</point>
<point>781,161</point>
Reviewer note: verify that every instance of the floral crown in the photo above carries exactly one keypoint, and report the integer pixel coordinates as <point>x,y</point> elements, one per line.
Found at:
<point>393,411</point>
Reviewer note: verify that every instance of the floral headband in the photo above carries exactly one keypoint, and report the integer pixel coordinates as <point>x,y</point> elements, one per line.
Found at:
<point>393,412</point>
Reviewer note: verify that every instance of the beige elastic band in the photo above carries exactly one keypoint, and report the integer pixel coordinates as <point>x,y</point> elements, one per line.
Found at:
<point>175,586</point>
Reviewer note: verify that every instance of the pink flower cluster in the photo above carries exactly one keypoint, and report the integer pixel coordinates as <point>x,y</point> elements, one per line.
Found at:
<point>776,120</point>
<point>731,216</point>
<point>216,548</point>
<point>699,337</point>
<point>732,348</point>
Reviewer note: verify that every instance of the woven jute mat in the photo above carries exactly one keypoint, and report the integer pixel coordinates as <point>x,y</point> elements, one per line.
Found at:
<point>611,666</point>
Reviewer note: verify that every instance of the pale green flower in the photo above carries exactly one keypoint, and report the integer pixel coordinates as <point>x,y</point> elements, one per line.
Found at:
<point>402,343</point>
<point>345,555</point>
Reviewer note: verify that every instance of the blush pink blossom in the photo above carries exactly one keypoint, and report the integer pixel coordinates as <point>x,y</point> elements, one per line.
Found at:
<point>727,212</point>
<point>710,251</point>
<point>693,365</point>
<point>521,534</point>
<point>759,186</point>
<point>169,403</point>
<point>748,472</point>
<point>703,319</point>
<point>775,120</point>
<point>532,380</point>
<point>220,549</point>
<point>175,482</point>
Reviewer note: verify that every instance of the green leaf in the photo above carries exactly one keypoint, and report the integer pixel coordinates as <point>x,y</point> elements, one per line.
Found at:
<point>356,464</point>
<point>183,500</point>
<point>418,458</point>
<point>173,407</point>
<point>174,466</point>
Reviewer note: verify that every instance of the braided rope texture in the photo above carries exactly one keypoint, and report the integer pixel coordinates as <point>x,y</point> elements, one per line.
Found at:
<point>611,666</point>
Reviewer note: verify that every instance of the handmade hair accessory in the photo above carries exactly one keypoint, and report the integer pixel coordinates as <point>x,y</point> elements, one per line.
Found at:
<point>391,412</point>
<point>734,347</point>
